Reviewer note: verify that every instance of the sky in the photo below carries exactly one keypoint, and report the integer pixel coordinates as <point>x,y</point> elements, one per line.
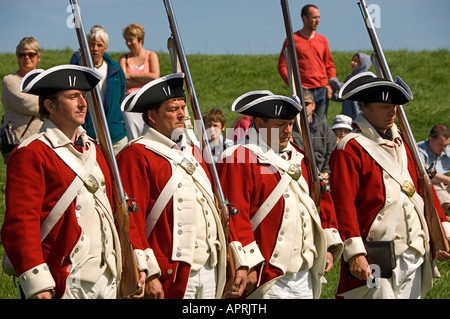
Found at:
<point>228,26</point>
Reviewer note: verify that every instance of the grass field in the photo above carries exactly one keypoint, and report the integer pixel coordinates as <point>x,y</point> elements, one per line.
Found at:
<point>220,79</point>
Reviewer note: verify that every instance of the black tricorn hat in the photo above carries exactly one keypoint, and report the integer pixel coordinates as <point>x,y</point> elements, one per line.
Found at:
<point>268,105</point>
<point>59,78</point>
<point>367,87</point>
<point>154,93</point>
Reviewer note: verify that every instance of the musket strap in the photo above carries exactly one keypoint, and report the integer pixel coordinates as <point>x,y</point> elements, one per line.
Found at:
<point>388,165</point>
<point>270,201</point>
<point>164,197</point>
<point>83,176</point>
<point>290,172</point>
<point>82,172</point>
<point>182,166</point>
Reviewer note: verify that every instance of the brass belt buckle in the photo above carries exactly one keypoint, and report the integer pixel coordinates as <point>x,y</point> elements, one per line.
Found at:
<point>187,166</point>
<point>409,189</point>
<point>295,172</point>
<point>91,184</point>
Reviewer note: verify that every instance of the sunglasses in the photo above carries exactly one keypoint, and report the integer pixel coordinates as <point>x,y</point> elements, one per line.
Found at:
<point>29,54</point>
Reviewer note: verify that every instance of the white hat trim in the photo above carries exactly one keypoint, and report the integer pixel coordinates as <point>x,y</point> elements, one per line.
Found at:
<point>233,106</point>
<point>271,97</point>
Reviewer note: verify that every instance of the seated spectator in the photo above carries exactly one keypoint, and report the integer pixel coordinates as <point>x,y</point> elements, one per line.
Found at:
<point>435,152</point>
<point>342,125</point>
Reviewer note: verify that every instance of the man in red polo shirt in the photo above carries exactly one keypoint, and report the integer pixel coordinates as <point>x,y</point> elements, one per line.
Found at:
<point>314,60</point>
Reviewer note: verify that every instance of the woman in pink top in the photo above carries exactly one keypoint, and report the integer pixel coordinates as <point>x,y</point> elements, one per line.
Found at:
<point>140,67</point>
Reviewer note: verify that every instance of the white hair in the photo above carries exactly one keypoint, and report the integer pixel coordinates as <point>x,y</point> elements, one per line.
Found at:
<point>97,31</point>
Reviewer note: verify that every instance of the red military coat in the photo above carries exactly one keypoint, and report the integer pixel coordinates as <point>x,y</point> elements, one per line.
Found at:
<point>246,187</point>
<point>358,192</point>
<point>36,179</point>
<point>144,175</point>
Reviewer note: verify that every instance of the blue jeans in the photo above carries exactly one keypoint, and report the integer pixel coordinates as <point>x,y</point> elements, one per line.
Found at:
<point>320,96</point>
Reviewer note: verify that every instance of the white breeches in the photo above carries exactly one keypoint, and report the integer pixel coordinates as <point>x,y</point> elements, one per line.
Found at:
<point>104,288</point>
<point>292,286</point>
<point>201,283</point>
<point>405,282</point>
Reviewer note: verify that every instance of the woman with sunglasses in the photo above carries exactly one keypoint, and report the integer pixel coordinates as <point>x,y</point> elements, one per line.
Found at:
<point>21,118</point>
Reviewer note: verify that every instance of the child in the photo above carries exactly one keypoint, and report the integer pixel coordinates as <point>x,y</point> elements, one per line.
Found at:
<point>342,125</point>
<point>215,120</point>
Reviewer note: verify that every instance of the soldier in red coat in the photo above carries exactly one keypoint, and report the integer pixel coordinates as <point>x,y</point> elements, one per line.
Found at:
<point>287,243</point>
<point>59,231</point>
<point>378,200</point>
<point>176,234</point>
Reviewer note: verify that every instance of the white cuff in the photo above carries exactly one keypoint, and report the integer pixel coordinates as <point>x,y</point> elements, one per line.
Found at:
<point>36,279</point>
<point>146,261</point>
<point>334,242</point>
<point>253,254</point>
<point>239,258</point>
<point>353,246</point>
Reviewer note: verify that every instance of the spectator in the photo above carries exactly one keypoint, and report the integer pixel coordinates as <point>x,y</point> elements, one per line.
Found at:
<point>342,125</point>
<point>322,137</point>
<point>360,63</point>
<point>111,87</point>
<point>140,67</point>
<point>314,60</point>
<point>215,122</point>
<point>21,111</point>
<point>240,127</point>
<point>435,152</point>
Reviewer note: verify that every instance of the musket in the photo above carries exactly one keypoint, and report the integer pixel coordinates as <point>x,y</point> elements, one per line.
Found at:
<point>221,202</point>
<point>130,275</point>
<point>301,121</point>
<point>176,67</point>
<point>438,240</point>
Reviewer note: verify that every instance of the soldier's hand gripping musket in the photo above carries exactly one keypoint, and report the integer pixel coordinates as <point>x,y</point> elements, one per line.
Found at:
<point>130,276</point>
<point>438,240</point>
